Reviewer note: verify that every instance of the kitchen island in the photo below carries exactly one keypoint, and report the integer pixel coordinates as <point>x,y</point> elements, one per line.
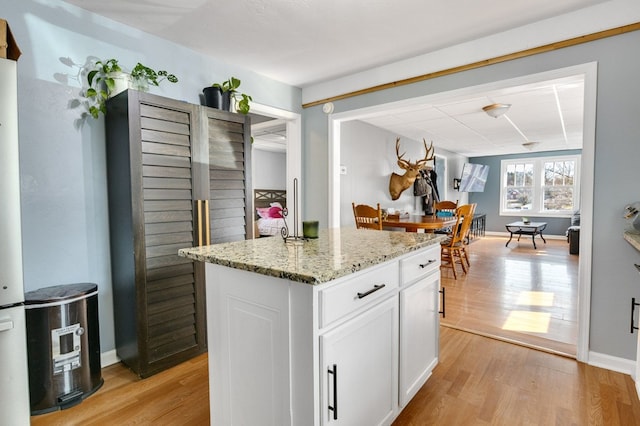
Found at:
<point>342,329</point>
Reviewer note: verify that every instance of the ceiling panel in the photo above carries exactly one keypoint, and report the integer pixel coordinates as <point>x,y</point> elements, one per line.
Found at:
<point>537,114</point>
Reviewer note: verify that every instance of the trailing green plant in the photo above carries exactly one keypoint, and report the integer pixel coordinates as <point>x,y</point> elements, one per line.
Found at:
<point>100,84</point>
<point>242,103</point>
<point>102,77</point>
<point>230,85</point>
<point>241,99</point>
<point>151,76</point>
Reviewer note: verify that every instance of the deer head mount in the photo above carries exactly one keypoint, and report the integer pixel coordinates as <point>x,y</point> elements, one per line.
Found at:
<point>398,183</point>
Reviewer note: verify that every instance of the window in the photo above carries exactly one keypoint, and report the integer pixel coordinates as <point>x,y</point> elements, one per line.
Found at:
<point>544,186</point>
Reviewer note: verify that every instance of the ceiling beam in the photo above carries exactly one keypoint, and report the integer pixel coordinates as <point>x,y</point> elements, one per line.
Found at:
<point>498,59</point>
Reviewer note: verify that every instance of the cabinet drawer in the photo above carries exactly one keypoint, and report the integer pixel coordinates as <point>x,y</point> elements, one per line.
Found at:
<point>420,264</point>
<point>357,291</point>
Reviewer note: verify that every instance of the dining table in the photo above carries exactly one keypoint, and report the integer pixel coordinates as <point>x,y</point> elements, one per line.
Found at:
<point>414,222</point>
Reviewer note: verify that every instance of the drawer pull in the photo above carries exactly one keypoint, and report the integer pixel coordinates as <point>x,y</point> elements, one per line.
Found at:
<point>633,309</point>
<point>334,408</point>
<point>375,288</point>
<point>429,262</point>
<point>443,299</point>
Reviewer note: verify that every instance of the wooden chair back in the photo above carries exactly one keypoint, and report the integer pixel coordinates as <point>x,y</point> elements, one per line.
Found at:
<point>367,217</point>
<point>453,250</point>
<point>464,216</point>
<point>445,206</point>
<point>468,219</point>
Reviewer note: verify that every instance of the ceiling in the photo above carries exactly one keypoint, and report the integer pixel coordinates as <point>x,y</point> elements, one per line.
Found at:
<point>268,135</point>
<point>544,116</point>
<point>303,42</point>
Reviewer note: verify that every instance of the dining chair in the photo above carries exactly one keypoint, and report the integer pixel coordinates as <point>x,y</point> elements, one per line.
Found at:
<point>444,208</point>
<point>453,250</point>
<point>465,236</point>
<point>367,217</point>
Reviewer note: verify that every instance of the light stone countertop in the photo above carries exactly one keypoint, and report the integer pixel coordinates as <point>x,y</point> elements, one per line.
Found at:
<point>335,253</point>
<point>633,239</point>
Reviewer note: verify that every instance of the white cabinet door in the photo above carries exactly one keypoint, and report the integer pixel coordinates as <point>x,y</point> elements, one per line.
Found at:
<point>638,363</point>
<point>248,330</point>
<point>359,368</point>
<point>419,335</point>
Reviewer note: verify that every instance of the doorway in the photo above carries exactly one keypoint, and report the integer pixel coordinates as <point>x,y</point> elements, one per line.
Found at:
<point>589,71</point>
<point>288,125</point>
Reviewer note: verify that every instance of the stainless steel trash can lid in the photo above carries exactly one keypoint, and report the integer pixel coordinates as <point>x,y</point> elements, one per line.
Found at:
<point>58,293</point>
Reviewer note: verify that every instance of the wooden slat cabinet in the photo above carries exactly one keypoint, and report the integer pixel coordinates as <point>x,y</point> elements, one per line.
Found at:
<point>229,166</point>
<point>159,156</point>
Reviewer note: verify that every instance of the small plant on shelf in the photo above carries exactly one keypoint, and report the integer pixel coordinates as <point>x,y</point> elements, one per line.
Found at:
<point>144,76</point>
<point>230,88</point>
<point>107,78</point>
<point>101,81</point>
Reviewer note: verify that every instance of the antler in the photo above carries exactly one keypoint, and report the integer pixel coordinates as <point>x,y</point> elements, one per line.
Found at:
<point>427,157</point>
<point>400,159</point>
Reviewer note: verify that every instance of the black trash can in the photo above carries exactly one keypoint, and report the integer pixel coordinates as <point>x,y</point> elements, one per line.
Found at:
<point>63,345</point>
<point>573,234</point>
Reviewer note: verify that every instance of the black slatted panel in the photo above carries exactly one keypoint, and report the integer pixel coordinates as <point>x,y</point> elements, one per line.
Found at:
<point>227,181</point>
<point>168,217</point>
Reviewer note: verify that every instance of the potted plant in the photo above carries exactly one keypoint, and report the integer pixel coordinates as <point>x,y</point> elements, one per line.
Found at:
<point>219,96</point>
<point>107,79</point>
<point>101,83</point>
<point>142,76</point>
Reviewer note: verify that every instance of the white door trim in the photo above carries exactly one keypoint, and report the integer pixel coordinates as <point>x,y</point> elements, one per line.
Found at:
<point>293,150</point>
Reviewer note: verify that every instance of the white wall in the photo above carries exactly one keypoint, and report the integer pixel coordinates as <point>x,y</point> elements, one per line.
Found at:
<point>369,155</point>
<point>269,169</point>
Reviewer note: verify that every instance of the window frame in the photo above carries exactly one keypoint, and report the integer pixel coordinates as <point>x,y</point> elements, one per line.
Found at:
<point>539,185</point>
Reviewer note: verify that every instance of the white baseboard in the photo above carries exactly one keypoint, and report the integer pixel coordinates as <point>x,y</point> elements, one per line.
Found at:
<point>109,358</point>
<point>621,365</point>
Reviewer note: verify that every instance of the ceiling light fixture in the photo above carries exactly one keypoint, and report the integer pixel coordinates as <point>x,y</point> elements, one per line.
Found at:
<point>496,110</point>
<point>530,145</point>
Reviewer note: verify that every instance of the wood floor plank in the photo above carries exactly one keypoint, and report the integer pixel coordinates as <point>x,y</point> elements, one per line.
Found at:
<point>517,293</point>
<point>506,384</point>
<point>479,381</point>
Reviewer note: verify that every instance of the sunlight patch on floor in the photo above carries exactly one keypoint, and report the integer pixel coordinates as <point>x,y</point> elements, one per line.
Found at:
<point>535,298</point>
<point>533,322</point>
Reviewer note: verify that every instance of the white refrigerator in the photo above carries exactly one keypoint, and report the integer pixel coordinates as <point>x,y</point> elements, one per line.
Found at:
<point>14,375</point>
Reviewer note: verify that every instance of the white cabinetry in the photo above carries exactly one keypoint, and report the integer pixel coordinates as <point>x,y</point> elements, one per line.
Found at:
<point>637,376</point>
<point>288,353</point>
<point>419,322</point>
<point>359,359</point>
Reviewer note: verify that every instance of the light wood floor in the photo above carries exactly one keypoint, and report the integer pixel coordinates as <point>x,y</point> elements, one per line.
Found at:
<point>483,381</point>
<point>178,396</point>
<point>479,381</point>
<point>517,293</point>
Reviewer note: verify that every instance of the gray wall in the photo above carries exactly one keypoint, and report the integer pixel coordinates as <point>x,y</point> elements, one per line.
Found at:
<point>62,157</point>
<point>489,200</point>
<point>614,279</point>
